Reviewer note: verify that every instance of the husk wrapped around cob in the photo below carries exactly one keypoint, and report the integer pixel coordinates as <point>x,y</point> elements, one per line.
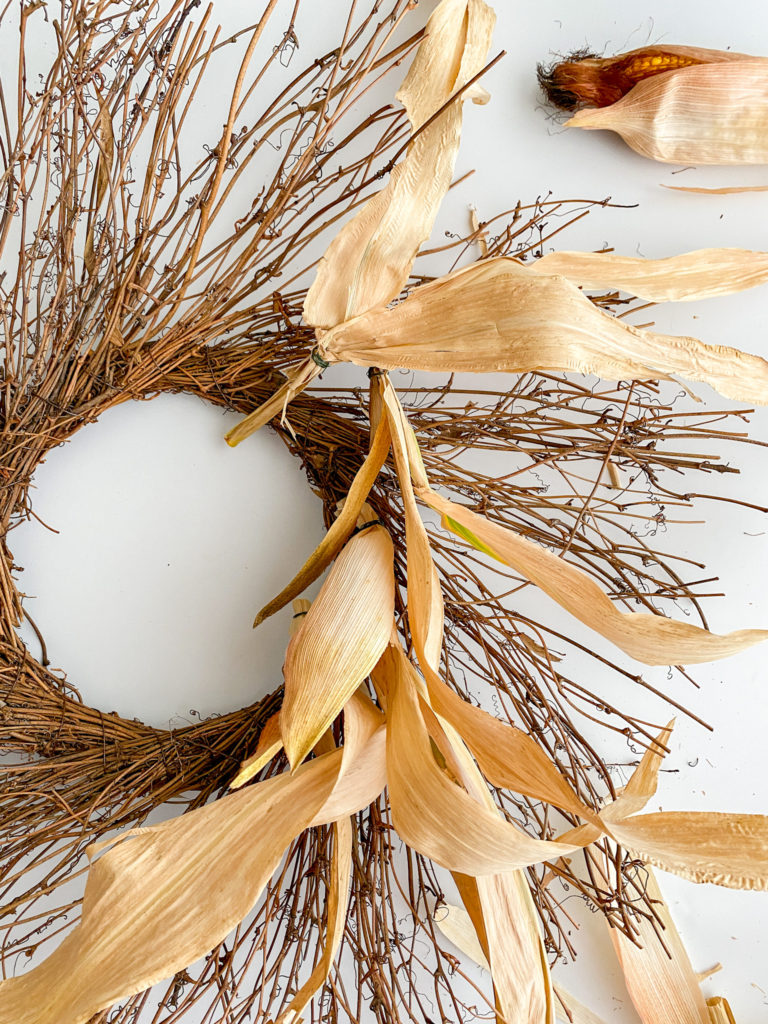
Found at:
<point>675,104</point>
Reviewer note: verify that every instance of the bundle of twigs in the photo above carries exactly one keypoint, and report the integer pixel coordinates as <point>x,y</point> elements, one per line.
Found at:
<point>144,267</point>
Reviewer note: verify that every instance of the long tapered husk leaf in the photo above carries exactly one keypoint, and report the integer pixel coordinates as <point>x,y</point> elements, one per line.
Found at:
<point>506,755</point>
<point>139,925</point>
<point>728,849</point>
<point>569,1010</point>
<point>705,114</point>
<point>498,315</point>
<point>652,639</point>
<point>300,378</point>
<point>343,636</point>
<point>338,901</point>
<point>643,781</point>
<point>340,529</point>
<point>270,742</point>
<point>689,276</point>
<point>369,261</point>
<point>433,814</point>
<point>508,926</point>
<point>661,981</point>
<point>523,986</point>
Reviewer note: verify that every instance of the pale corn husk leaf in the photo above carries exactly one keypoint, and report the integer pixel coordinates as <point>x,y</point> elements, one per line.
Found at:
<point>727,849</point>
<point>299,379</point>
<point>370,259</point>
<point>652,639</point>
<point>661,982</point>
<point>426,613</point>
<point>692,275</point>
<point>340,529</point>
<point>431,813</point>
<point>338,901</point>
<point>343,636</point>
<point>506,755</point>
<point>270,743</point>
<point>719,1011</point>
<point>456,925</point>
<point>498,315</point>
<point>569,1010</point>
<point>643,781</point>
<point>139,925</point>
<point>728,190</point>
<point>517,955</point>
<point>705,114</point>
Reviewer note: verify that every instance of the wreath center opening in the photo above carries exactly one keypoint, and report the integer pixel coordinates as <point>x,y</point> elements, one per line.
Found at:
<point>168,543</point>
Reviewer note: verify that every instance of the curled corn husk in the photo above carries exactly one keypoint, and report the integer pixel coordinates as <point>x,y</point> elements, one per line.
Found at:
<point>498,315</point>
<point>340,529</point>
<point>652,639</point>
<point>270,742</point>
<point>506,755</point>
<point>701,111</point>
<point>138,923</point>
<point>690,276</point>
<point>660,979</point>
<point>431,812</point>
<point>369,261</point>
<point>342,638</point>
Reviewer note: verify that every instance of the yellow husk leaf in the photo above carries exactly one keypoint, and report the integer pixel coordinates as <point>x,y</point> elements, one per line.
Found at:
<point>498,315</point>
<point>139,925</point>
<point>456,925</point>
<point>727,849</point>
<point>432,814</point>
<point>523,986</point>
<point>569,1010</point>
<point>520,999</point>
<point>506,755</point>
<point>343,636</point>
<point>692,275</point>
<point>643,781</point>
<point>340,529</point>
<point>369,261</point>
<point>652,639</point>
<point>338,900</point>
<point>704,114</point>
<point>663,987</point>
<point>719,1011</point>
<point>297,381</point>
<point>270,742</point>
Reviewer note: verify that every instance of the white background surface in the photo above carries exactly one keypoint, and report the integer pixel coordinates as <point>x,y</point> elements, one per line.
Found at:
<point>169,541</point>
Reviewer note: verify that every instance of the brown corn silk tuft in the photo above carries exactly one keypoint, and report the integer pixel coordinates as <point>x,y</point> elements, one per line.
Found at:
<point>600,81</point>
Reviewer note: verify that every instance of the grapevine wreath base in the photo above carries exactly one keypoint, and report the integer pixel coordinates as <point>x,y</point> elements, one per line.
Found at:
<point>189,288</point>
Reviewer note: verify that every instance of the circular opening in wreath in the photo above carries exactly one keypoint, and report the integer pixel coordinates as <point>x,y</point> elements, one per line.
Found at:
<point>168,544</point>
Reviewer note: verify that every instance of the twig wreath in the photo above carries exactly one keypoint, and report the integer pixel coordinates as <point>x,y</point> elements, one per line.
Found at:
<point>141,272</point>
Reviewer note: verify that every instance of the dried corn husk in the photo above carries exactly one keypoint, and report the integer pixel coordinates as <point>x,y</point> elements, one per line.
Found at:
<point>434,815</point>
<point>343,636</point>
<point>464,831</point>
<point>369,261</point>
<point>719,1011</point>
<point>506,755</point>
<point>139,925</point>
<point>652,639</point>
<point>728,849</point>
<point>270,742</point>
<point>689,276</point>
<point>661,981</point>
<point>500,315</point>
<point>456,925</point>
<point>340,529</point>
<point>338,901</point>
<point>569,1010</point>
<point>701,114</point>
